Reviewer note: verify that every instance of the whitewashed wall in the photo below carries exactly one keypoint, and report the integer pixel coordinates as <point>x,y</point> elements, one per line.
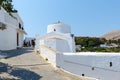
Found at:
<point>7,36</point>
<point>100,66</point>
<point>48,53</point>
<point>62,46</point>
<point>8,39</point>
<point>10,20</point>
<point>59,45</point>
<point>21,37</point>
<point>66,37</point>
<point>37,43</point>
<point>95,65</point>
<point>2,15</point>
<point>7,19</point>
<point>50,43</point>
<point>16,15</point>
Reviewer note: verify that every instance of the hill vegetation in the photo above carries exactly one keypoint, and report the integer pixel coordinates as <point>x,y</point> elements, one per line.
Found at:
<point>93,44</point>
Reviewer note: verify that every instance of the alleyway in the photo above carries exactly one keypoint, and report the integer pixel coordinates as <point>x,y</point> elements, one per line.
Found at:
<point>24,64</point>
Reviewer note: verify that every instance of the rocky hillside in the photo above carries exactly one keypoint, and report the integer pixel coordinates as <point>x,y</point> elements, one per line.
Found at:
<point>114,35</point>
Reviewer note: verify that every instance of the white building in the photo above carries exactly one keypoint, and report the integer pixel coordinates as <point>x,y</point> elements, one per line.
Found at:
<point>12,33</point>
<point>58,38</point>
<point>58,47</point>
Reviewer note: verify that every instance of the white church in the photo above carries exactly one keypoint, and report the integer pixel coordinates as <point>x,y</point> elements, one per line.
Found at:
<point>58,38</point>
<point>11,31</point>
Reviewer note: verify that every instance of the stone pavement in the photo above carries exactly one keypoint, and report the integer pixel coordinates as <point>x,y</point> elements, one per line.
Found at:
<point>24,64</point>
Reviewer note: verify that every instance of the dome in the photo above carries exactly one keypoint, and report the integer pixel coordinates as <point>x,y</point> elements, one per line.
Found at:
<point>59,27</point>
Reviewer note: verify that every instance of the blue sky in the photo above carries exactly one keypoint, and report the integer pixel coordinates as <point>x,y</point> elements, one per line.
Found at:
<point>86,17</point>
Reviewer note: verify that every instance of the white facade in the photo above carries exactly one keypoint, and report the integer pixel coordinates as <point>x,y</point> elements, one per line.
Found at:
<point>12,36</point>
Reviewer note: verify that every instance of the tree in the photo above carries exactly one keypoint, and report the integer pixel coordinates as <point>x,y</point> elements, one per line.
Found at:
<point>7,5</point>
<point>89,41</point>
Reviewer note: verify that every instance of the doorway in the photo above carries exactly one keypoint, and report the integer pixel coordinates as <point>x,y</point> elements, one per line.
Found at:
<point>17,39</point>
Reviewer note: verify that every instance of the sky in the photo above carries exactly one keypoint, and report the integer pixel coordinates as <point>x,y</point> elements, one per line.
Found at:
<point>91,18</point>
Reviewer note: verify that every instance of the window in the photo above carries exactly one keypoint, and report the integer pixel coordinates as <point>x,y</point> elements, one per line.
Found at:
<point>20,26</point>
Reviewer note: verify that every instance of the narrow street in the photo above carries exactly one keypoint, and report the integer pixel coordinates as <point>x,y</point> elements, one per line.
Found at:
<point>24,64</point>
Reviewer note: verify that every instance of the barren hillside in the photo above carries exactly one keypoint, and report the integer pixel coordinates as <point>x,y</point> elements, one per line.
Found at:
<point>112,35</point>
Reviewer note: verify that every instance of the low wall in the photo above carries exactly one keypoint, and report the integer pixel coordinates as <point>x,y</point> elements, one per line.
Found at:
<point>99,66</point>
<point>102,66</point>
<point>48,54</point>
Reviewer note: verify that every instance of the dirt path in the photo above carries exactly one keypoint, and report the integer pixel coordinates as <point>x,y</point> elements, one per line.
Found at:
<point>24,64</point>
